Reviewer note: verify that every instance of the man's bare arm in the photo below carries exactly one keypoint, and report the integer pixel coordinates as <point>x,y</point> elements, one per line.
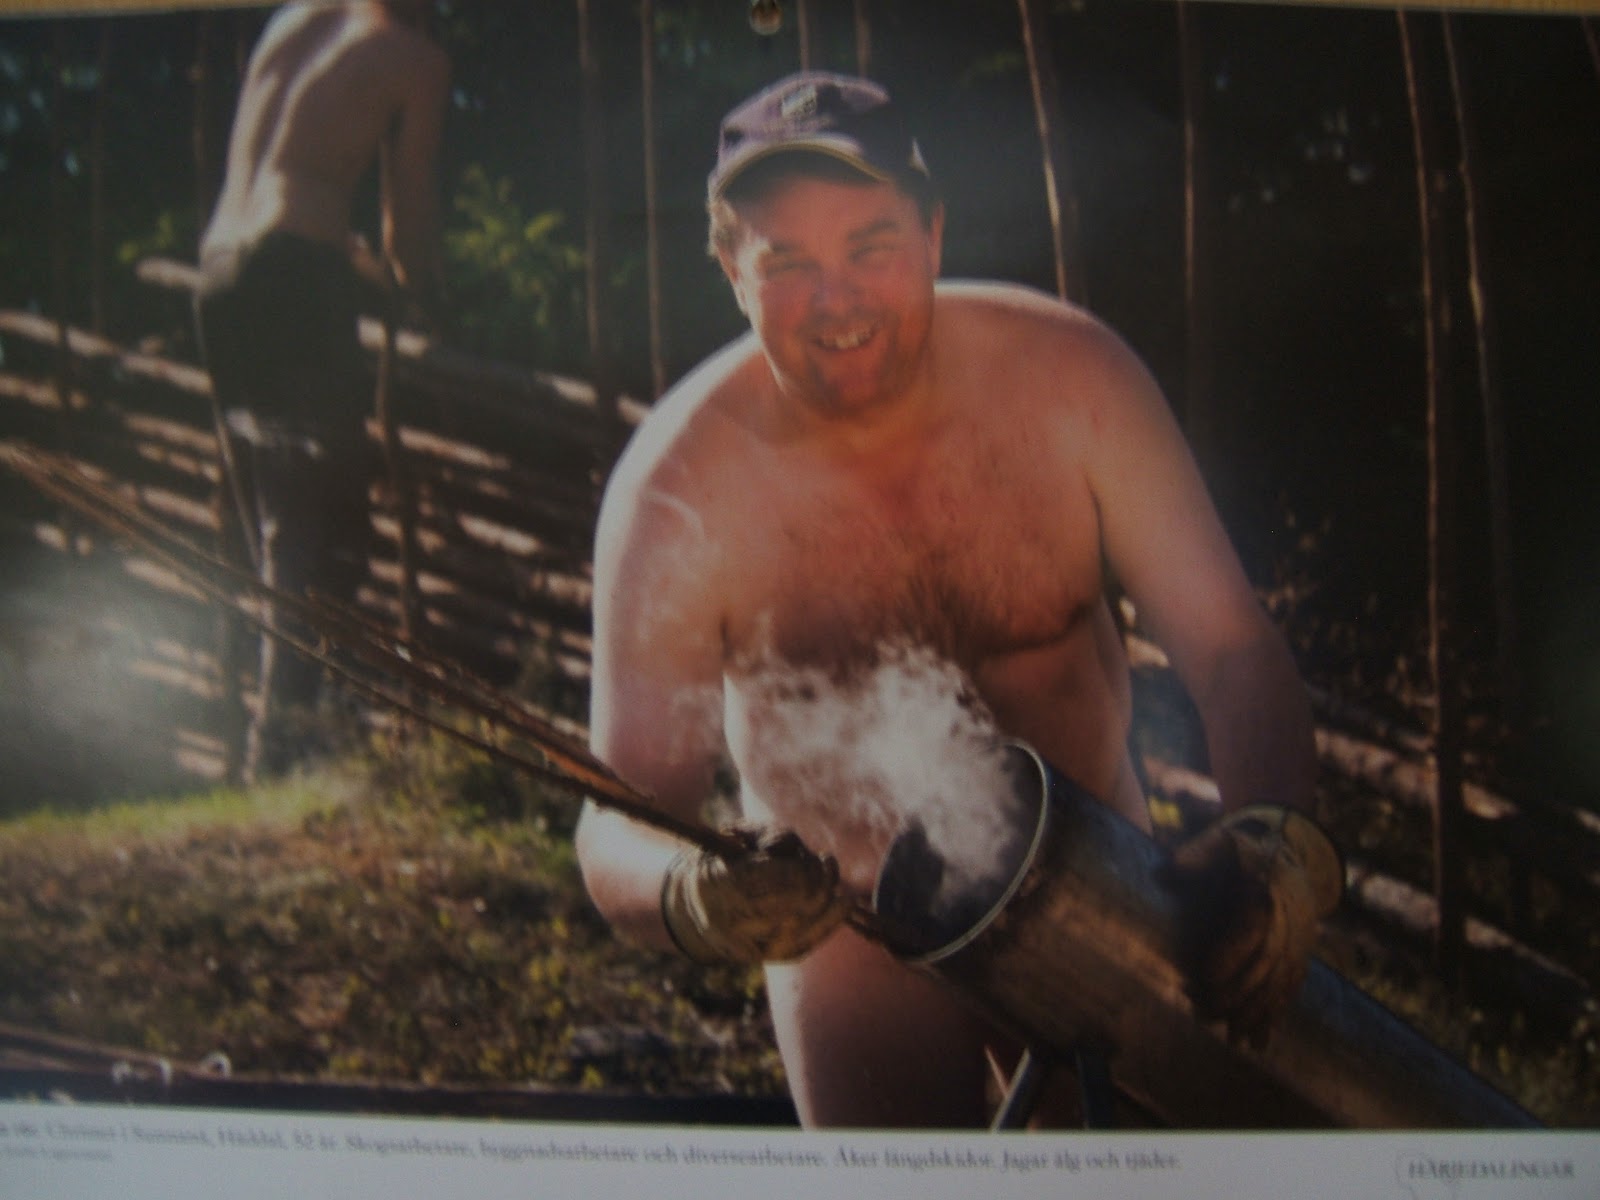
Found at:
<point>1167,545</point>
<point>655,707</point>
<point>409,164</point>
<point>1260,879</point>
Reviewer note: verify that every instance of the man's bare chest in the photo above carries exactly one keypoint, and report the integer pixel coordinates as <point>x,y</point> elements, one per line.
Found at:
<point>968,563</point>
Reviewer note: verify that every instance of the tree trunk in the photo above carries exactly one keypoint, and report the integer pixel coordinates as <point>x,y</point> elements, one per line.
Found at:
<point>205,191</point>
<point>597,257</point>
<point>1441,434</point>
<point>60,272</point>
<point>863,27</point>
<point>1508,638</point>
<point>1070,284</point>
<point>652,214</point>
<point>806,25</point>
<point>97,184</point>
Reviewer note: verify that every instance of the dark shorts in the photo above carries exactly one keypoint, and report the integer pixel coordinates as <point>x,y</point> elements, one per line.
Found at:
<point>278,331</point>
<point>277,323</point>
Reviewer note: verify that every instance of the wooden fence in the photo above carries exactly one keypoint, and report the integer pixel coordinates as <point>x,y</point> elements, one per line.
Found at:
<point>499,468</point>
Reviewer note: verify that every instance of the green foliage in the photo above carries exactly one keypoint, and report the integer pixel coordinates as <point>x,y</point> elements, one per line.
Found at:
<point>173,234</point>
<point>516,282</point>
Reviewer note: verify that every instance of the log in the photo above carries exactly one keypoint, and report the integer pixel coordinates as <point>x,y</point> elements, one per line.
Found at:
<point>1081,940</point>
<point>490,652</point>
<point>457,604</point>
<point>560,598</point>
<point>1496,962</point>
<point>1560,840</point>
<point>190,381</point>
<point>1564,848</point>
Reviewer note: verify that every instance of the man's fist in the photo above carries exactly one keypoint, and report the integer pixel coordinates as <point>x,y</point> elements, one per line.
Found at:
<point>773,902</point>
<point>1258,882</point>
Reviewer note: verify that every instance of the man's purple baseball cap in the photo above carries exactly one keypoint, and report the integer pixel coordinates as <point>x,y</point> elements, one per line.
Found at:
<point>815,112</point>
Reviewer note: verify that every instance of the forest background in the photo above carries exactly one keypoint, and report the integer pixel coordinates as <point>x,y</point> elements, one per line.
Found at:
<point>1241,201</point>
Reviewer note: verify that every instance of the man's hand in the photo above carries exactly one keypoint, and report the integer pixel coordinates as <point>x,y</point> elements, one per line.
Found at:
<point>773,902</point>
<point>1258,882</point>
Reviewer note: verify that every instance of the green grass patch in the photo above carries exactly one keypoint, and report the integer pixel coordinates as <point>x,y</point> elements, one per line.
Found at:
<point>415,915</point>
<point>282,802</point>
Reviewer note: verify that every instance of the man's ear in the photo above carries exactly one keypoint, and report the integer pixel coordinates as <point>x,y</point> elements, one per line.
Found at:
<point>730,271</point>
<point>936,237</point>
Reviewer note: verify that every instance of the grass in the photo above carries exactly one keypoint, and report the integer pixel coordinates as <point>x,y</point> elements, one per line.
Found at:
<point>414,915</point>
<point>156,819</point>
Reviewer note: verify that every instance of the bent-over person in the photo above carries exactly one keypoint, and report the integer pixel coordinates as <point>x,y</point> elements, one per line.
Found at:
<point>330,89</point>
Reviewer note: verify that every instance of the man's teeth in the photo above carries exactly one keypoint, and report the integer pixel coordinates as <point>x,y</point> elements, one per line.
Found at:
<point>847,341</point>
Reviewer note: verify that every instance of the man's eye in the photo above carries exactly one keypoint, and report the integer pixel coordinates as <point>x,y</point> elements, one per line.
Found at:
<point>873,251</point>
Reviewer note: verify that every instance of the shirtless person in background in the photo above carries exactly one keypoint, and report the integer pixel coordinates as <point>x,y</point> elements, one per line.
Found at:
<point>890,472</point>
<point>330,88</point>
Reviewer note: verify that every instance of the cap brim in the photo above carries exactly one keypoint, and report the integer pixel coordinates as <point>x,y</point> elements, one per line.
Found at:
<point>840,149</point>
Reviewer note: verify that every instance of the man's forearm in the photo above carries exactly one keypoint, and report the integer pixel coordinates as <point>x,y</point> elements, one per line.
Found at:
<point>624,866</point>
<point>1258,725</point>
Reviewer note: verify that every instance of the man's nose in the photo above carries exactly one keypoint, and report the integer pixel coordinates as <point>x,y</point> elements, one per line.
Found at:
<point>837,289</point>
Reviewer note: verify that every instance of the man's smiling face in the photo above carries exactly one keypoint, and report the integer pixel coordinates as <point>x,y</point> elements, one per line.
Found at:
<point>837,280</point>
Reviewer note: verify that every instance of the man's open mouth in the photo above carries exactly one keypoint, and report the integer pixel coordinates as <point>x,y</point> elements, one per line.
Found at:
<point>848,339</point>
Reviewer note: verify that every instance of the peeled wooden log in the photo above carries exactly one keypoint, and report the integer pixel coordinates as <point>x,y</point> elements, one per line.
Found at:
<point>1564,847</point>
<point>1495,961</point>
<point>489,652</point>
<point>555,596</point>
<point>1081,940</point>
<point>458,604</point>
<point>133,367</point>
<point>549,507</point>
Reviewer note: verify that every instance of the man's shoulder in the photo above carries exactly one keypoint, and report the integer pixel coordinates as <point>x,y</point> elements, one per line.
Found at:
<point>1032,330</point>
<point>689,425</point>
<point>1022,309</point>
<point>403,51</point>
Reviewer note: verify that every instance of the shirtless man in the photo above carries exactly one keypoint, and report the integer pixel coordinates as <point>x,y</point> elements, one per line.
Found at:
<point>330,88</point>
<point>888,471</point>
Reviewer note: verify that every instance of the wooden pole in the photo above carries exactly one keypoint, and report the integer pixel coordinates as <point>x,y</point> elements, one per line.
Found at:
<point>60,269</point>
<point>1508,635</point>
<point>97,184</point>
<point>1441,526</point>
<point>1069,274</point>
<point>597,257</point>
<point>863,28</point>
<point>205,190</point>
<point>652,212</point>
<point>806,25</point>
<point>1200,416</point>
<point>402,502</point>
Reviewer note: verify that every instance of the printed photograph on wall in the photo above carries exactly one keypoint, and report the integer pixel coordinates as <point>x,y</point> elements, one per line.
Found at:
<point>825,565</point>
